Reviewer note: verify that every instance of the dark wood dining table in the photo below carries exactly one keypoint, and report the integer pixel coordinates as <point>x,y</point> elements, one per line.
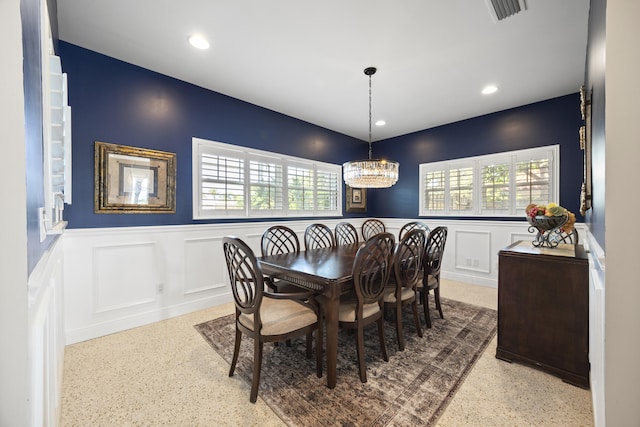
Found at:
<point>325,270</point>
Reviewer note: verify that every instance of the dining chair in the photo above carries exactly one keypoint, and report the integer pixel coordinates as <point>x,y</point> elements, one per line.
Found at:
<point>318,236</point>
<point>407,268</point>
<point>371,269</point>
<point>432,262</point>
<point>411,226</point>
<point>346,234</point>
<point>265,316</point>
<point>276,240</point>
<point>371,227</point>
<point>279,239</point>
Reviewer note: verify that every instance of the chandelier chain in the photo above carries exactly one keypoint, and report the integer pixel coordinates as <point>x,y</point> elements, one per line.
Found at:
<point>369,116</point>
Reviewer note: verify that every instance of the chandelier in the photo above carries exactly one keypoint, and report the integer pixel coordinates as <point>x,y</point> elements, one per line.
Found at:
<point>370,173</point>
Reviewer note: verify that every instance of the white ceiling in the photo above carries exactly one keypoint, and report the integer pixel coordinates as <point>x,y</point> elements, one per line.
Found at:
<point>306,59</point>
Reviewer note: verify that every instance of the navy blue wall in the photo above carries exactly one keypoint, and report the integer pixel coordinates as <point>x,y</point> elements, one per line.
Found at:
<point>119,103</point>
<point>32,69</point>
<point>116,102</point>
<point>550,122</point>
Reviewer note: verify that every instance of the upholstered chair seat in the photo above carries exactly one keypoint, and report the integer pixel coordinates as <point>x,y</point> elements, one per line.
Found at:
<point>347,311</point>
<point>281,317</point>
<point>390,294</point>
<point>432,282</point>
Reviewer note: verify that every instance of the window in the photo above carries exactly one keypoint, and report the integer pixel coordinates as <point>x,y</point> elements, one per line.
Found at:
<point>495,192</point>
<point>461,189</point>
<point>222,182</point>
<point>266,186</point>
<point>56,130</point>
<point>434,190</point>
<point>494,185</point>
<point>238,182</point>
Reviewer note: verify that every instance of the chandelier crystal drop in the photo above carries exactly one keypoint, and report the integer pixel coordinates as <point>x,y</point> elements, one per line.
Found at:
<point>370,173</point>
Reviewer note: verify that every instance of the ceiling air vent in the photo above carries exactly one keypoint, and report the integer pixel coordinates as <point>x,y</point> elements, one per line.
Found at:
<point>501,9</point>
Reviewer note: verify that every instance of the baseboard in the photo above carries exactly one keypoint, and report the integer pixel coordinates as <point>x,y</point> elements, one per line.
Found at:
<point>117,325</point>
<point>471,279</point>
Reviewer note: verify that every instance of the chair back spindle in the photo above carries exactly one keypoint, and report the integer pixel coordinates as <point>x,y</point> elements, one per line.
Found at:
<point>371,227</point>
<point>346,234</point>
<point>318,236</point>
<point>244,276</point>
<point>372,268</point>
<point>279,239</point>
<point>412,226</point>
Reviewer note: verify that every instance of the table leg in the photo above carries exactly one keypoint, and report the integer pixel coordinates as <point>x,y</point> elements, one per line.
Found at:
<point>332,304</point>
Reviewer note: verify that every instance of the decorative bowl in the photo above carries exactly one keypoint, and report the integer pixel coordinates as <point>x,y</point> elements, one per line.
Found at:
<point>547,228</point>
<point>547,223</point>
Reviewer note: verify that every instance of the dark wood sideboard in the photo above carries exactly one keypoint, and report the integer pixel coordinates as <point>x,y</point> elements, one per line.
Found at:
<point>543,309</point>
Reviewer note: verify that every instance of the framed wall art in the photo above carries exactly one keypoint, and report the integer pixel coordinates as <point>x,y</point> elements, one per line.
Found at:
<point>356,199</point>
<point>585,146</point>
<point>133,180</point>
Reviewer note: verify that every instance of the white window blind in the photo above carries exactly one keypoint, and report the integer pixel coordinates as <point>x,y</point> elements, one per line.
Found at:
<point>56,117</point>
<point>233,181</point>
<point>266,191</point>
<point>328,190</point>
<point>300,184</point>
<point>532,182</point>
<point>434,190</point>
<point>222,182</point>
<point>495,193</point>
<point>461,189</point>
<point>500,184</point>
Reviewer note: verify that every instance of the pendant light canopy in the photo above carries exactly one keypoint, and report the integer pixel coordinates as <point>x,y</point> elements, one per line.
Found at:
<point>370,173</point>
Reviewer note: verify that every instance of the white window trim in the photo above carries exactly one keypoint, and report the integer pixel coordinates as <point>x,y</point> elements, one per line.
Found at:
<point>552,152</point>
<point>202,146</point>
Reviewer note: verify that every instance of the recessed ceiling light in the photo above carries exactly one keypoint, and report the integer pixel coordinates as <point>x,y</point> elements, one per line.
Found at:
<point>488,90</point>
<point>381,123</point>
<point>199,42</point>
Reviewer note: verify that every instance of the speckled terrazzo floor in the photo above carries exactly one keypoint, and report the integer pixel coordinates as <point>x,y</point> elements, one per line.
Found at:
<point>165,374</point>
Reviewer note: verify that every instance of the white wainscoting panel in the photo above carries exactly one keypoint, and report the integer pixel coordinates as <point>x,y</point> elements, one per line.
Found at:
<point>253,240</point>
<point>120,278</point>
<point>124,276</point>
<point>596,326</point>
<point>46,337</point>
<point>516,237</point>
<point>473,250</point>
<point>202,274</point>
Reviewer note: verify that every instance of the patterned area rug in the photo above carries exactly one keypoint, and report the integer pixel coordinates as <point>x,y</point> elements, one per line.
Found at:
<point>412,389</point>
